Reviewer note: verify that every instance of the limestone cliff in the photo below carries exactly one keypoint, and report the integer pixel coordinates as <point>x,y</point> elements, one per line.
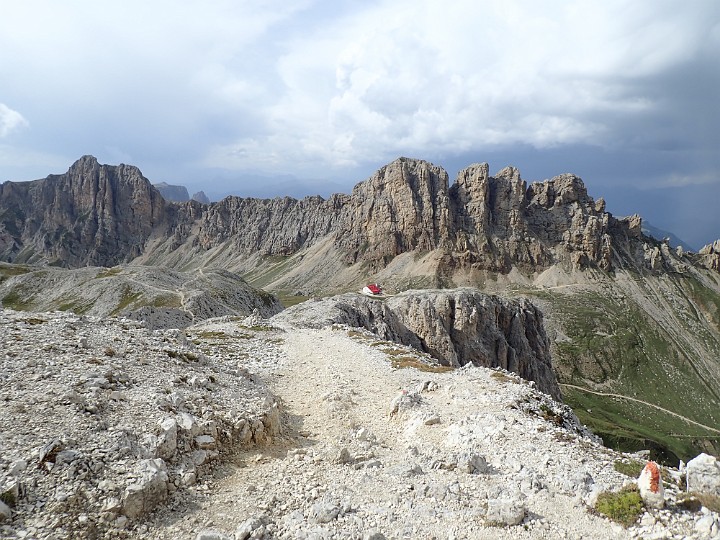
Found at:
<point>93,214</point>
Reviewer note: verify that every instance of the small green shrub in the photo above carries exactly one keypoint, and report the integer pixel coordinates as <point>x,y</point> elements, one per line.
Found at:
<point>212,335</point>
<point>632,468</point>
<point>402,362</point>
<point>8,498</point>
<point>624,507</point>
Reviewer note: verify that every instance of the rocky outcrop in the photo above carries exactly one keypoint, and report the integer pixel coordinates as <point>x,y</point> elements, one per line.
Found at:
<point>402,207</point>
<point>703,475</point>
<point>458,327</point>
<point>710,256</point>
<point>93,214</point>
<point>120,417</point>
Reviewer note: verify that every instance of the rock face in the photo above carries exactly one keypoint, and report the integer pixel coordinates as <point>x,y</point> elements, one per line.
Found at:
<point>711,255</point>
<point>105,215</point>
<point>402,207</point>
<point>93,214</point>
<point>458,327</point>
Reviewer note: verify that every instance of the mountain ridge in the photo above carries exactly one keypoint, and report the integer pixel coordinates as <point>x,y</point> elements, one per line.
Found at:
<point>491,223</point>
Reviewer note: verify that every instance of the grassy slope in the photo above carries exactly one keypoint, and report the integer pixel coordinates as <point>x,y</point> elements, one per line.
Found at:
<point>616,345</point>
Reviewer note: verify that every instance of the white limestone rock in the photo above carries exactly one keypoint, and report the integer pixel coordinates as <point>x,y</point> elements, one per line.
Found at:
<point>703,475</point>
<point>148,491</point>
<point>5,512</point>
<point>505,511</point>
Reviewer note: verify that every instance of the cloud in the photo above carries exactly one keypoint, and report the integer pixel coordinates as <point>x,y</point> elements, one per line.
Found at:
<point>682,180</point>
<point>417,77</point>
<point>10,120</point>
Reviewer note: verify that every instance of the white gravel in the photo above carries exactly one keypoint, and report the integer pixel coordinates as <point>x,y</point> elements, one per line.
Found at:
<point>307,433</point>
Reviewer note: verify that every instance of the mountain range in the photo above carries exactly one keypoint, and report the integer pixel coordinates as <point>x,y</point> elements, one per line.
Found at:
<point>634,324</point>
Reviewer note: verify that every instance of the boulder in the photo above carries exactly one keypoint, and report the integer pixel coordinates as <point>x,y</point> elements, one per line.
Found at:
<point>703,475</point>
<point>150,489</point>
<point>505,511</point>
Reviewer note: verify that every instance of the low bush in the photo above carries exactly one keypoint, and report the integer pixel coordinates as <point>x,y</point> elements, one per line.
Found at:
<point>624,507</point>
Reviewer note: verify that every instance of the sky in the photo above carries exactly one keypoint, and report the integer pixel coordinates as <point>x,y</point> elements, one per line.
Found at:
<point>271,97</point>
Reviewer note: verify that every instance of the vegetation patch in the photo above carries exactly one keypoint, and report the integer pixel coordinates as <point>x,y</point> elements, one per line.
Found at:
<point>258,327</point>
<point>13,300</point>
<point>9,270</point>
<point>694,501</point>
<point>613,342</point>
<point>167,301</point>
<point>289,300</point>
<point>631,468</point>
<point>74,306</point>
<point>400,358</point>
<point>206,334</point>
<point>502,377</point>
<point>108,272</point>
<point>550,416</point>
<point>8,498</point>
<point>33,320</point>
<point>401,362</point>
<point>624,507</point>
<point>128,297</point>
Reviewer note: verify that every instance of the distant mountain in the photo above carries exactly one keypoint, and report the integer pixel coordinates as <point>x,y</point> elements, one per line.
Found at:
<point>172,193</point>
<point>201,197</point>
<point>180,194</point>
<point>659,234</point>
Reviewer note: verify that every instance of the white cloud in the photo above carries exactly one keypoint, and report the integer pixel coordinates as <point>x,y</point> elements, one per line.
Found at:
<point>422,77</point>
<point>301,86</point>
<point>10,120</point>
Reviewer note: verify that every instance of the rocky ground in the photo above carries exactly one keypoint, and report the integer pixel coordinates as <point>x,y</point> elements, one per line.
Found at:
<point>249,428</point>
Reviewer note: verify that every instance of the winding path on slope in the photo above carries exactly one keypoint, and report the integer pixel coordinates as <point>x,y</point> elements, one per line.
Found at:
<point>606,394</point>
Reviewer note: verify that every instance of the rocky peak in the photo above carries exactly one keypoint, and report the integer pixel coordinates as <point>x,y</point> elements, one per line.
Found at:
<point>201,197</point>
<point>172,192</point>
<point>93,214</point>
<point>561,190</point>
<point>402,207</point>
